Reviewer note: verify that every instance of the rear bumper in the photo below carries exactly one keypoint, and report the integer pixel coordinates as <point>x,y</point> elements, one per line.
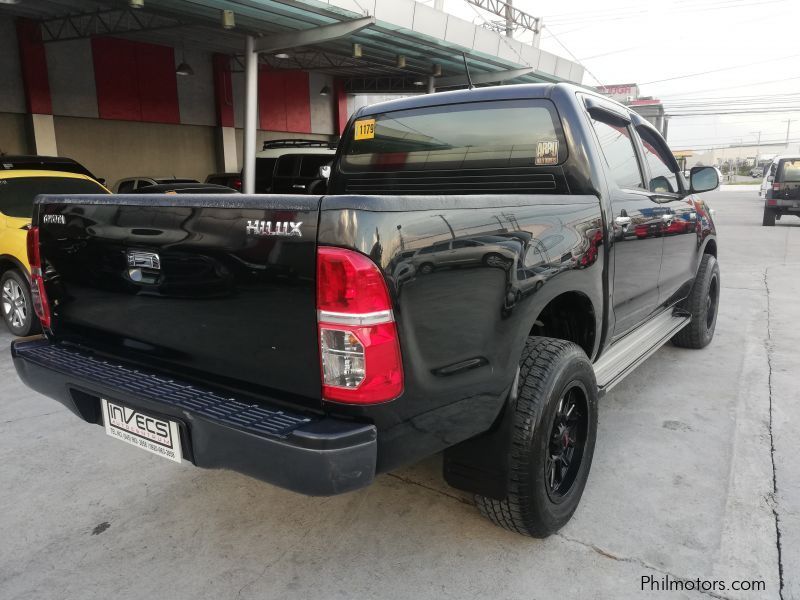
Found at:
<point>309,454</point>
<point>792,205</point>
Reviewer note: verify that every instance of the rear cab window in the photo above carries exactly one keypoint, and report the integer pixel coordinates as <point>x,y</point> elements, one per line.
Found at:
<point>474,135</point>
<point>18,193</point>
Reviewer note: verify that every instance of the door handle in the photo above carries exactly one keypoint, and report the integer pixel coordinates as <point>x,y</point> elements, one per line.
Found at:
<point>299,186</point>
<point>667,218</point>
<point>623,221</point>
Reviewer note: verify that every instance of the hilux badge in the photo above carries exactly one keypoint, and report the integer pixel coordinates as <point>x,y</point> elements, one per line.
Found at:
<point>266,228</point>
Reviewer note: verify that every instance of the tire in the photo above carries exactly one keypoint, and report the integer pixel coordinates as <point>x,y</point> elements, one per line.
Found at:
<point>702,304</point>
<point>554,374</point>
<point>495,260</point>
<point>769,218</point>
<point>16,305</point>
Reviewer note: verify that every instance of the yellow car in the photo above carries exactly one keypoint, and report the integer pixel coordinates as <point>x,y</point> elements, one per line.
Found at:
<point>18,188</point>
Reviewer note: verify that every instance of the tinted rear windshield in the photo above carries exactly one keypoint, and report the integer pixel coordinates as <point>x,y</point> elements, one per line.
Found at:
<point>476,135</point>
<point>17,193</point>
<point>790,170</point>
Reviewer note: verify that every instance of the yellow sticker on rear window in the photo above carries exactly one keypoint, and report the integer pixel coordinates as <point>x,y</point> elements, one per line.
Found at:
<point>365,129</point>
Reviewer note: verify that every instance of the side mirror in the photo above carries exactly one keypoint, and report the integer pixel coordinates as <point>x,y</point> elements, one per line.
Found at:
<point>703,179</point>
<point>325,171</point>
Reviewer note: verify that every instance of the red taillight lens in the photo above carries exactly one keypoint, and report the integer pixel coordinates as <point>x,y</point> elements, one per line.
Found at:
<point>776,187</point>
<point>38,294</point>
<point>237,184</point>
<point>772,202</point>
<point>359,348</point>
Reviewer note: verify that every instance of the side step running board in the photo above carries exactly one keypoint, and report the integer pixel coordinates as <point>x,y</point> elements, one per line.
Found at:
<point>628,352</point>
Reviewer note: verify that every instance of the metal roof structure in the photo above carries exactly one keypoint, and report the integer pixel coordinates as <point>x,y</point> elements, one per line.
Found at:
<point>373,45</point>
<point>422,35</point>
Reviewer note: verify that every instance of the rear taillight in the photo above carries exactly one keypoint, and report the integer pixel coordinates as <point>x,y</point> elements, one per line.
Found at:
<point>776,187</point>
<point>360,352</point>
<point>38,294</point>
<point>772,202</point>
<point>237,184</point>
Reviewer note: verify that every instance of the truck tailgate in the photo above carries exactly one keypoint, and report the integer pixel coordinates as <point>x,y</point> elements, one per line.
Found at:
<point>220,287</point>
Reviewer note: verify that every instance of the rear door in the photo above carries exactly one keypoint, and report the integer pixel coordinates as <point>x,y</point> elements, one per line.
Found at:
<point>677,217</point>
<point>286,172</point>
<point>637,244</point>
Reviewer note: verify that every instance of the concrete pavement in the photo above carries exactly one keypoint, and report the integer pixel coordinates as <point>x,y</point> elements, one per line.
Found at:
<point>690,449</point>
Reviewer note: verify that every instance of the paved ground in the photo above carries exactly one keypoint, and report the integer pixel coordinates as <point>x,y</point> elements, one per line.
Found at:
<point>690,451</point>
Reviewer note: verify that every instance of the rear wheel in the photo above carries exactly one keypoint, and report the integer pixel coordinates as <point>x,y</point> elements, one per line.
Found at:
<point>553,436</point>
<point>15,301</point>
<point>702,304</point>
<point>769,218</point>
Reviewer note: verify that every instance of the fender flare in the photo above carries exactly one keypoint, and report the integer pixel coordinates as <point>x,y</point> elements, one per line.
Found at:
<point>8,258</point>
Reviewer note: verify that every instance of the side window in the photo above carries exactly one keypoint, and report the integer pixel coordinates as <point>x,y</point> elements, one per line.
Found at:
<point>465,244</point>
<point>126,187</point>
<point>662,178</point>
<point>617,147</point>
<point>287,166</point>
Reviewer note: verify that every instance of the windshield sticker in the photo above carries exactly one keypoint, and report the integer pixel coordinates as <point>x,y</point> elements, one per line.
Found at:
<point>546,153</point>
<point>365,129</point>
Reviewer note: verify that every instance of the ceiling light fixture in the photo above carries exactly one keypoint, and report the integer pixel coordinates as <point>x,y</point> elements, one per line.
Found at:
<point>400,61</point>
<point>184,68</point>
<point>325,91</point>
<point>228,19</point>
<point>282,55</point>
<point>418,82</point>
<point>436,70</point>
<point>357,50</point>
<point>131,3</point>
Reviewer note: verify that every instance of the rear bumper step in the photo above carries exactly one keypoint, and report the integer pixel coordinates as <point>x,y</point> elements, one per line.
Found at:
<point>313,455</point>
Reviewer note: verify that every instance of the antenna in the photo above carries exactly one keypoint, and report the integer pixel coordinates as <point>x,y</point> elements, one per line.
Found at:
<point>466,68</point>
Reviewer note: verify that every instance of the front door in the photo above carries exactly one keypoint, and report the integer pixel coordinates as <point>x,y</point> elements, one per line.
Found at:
<point>636,244</point>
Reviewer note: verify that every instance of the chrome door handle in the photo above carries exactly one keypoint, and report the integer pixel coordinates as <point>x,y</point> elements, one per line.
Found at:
<point>623,221</point>
<point>667,218</point>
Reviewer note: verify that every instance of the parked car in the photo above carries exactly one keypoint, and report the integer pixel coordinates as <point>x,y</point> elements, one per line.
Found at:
<point>313,355</point>
<point>231,180</point>
<point>130,185</point>
<point>46,163</point>
<point>186,188</point>
<point>782,194</point>
<point>757,172</point>
<point>18,188</point>
<point>766,182</point>
<point>291,166</point>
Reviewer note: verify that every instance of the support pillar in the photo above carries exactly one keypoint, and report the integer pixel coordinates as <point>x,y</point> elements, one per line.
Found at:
<point>223,96</point>
<point>341,105</point>
<point>33,64</point>
<point>250,114</point>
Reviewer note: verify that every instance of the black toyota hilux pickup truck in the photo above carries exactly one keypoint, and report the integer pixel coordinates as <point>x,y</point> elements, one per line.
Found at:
<point>485,264</point>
